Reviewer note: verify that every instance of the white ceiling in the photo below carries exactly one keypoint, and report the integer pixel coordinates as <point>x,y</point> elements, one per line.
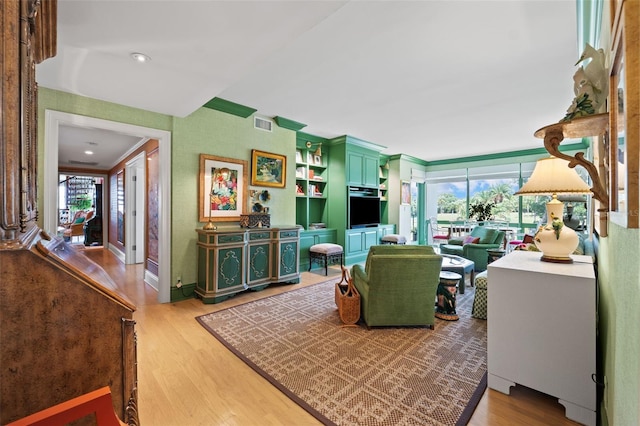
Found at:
<point>431,79</point>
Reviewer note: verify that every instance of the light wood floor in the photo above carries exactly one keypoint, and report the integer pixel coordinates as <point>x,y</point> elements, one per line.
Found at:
<point>187,378</point>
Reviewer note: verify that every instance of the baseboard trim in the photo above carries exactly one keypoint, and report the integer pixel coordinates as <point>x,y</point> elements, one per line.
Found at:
<point>151,279</point>
<point>187,291</point>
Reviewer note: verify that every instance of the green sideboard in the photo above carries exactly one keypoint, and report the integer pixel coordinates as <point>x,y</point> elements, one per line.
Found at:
<point>232,260</point>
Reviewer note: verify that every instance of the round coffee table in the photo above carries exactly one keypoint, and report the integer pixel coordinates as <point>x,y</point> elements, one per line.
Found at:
<point>447,288</point>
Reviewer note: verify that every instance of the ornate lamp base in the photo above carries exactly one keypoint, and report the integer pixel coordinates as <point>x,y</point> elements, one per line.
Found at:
<point>554,240</point>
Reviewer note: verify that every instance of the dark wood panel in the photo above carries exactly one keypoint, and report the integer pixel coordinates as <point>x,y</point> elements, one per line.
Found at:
<point>65,330</point>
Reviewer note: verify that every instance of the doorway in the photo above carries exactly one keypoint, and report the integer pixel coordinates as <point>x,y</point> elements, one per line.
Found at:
<point>81,195</point>
<point>53,121</point>
<point>134,215</point>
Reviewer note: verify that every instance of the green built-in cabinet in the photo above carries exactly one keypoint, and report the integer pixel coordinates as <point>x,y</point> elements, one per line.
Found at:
<point>322,193</point>
<point>362,167</point>
<point>354,163</point>
<point>358,241</point>
<point>231,260</point>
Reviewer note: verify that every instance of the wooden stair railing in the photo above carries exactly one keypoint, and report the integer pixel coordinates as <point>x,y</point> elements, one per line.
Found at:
<point>98,402</point>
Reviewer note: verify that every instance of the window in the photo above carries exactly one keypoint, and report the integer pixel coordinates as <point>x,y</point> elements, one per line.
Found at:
<point>455,190</point>
<point>497,185</point>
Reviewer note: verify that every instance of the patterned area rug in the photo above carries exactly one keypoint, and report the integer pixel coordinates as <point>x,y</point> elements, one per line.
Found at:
<point>355,376</point>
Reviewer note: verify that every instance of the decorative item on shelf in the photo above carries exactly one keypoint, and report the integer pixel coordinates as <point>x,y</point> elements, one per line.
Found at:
<point>299,190</point>
<point>591,85</point>
<point>553,176</point>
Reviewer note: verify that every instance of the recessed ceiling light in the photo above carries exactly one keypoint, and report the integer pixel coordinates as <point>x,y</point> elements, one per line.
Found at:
<point>140,57</point>
<point>89,152</point>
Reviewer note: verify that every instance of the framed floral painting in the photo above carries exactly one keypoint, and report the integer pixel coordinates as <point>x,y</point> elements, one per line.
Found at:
<point>268,169</point>
<point>222,189</point>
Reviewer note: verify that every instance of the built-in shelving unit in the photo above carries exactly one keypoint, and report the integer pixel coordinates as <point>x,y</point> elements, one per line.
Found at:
<point>312,193</point>
<point>311,183</point>
<point>384,188</point>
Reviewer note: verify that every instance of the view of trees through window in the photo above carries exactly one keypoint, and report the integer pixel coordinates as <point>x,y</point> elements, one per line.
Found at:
<point>528,210</point>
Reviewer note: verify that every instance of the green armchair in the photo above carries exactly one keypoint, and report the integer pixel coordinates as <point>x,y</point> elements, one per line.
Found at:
<point>489,238</point>
<point>398,285</point>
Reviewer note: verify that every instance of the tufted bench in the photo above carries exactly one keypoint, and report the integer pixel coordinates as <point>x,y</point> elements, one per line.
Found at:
<point>393,239</point>
<point>324,254</point>
<point>479,309</point>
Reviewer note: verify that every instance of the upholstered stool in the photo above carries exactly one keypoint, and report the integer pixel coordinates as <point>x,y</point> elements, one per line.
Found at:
<point>393,239</point>
<point>479,309</point>
<point>324,254</point>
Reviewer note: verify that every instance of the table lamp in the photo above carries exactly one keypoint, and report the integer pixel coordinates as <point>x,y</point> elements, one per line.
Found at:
<point>553,176</point>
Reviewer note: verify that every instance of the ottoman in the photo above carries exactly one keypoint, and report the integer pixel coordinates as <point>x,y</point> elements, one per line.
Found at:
<point>325,254</point>
<point>479,309</point>
<point>393,239</point>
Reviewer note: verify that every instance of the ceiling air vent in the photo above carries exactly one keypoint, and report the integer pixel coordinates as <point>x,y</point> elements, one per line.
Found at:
<point>83,163</point>
<point>262,123</point>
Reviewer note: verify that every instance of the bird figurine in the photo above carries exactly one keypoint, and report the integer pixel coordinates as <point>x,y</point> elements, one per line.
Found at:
<point>591,84</point>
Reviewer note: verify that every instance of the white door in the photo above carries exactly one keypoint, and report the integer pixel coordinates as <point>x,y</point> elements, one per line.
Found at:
<point>135,209</point>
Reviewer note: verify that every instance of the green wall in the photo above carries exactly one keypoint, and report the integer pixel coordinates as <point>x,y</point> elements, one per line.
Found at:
<point>619,318</point>
<point>205,131</point>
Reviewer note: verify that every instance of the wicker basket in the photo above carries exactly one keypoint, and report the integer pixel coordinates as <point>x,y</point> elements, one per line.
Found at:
<point>347,299</point>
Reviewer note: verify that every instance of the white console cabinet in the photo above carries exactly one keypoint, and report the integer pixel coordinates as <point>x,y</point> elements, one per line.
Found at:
<point>542,329</point>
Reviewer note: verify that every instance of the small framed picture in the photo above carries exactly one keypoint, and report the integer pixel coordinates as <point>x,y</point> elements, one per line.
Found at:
<point>317,160</point>
<point>298,156</point>
<point>405,192</point>
<point>268,169</point>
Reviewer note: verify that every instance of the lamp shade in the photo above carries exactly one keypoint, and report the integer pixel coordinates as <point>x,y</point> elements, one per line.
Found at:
<point>554,176</point>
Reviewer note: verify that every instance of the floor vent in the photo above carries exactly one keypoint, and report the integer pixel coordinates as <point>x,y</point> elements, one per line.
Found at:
<point>262,123</point>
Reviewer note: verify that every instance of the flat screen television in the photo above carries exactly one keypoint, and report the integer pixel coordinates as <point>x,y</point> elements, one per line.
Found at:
<point>364,211</point>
